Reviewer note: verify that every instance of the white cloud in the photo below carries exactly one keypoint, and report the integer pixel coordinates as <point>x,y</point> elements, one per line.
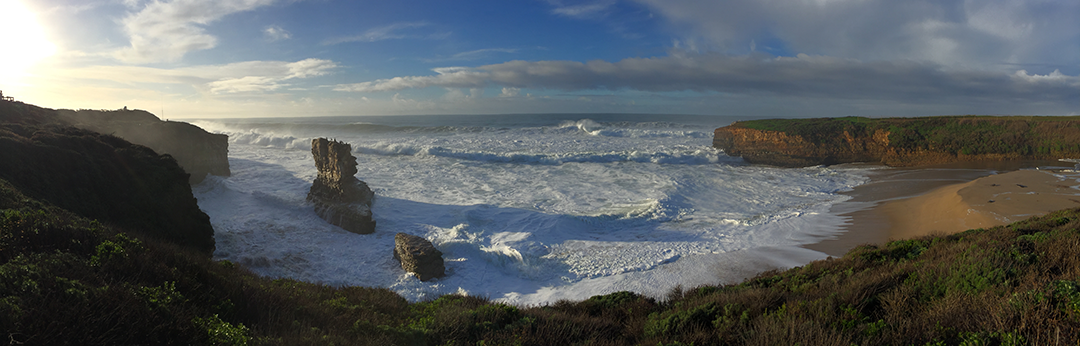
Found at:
<point>480,53</point>
<point>510,92</point>
<point>310,68</point>
<point>166,31</point>
<point>472,55</point>
<point>131,3</point>
<point>586,9</point>
<point>74,9</point>
<point>389,32</point>
<point>276,33</point>
<point>621,20</point>
<point>1052,77</point>
<point>242,77</point>
<point>272,79</point>
<point>455,95</point>
<point>450,77</point>
<point>245,84</point>
<point>401,102</point>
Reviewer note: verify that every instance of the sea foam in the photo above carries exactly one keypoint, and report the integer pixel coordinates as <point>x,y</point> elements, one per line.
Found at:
<point>526,209</point>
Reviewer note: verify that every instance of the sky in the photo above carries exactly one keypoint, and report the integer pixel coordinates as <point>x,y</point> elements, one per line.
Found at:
<point>762,58</point>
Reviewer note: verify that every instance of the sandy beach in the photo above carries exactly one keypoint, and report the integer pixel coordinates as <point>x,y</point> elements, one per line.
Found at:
<point>985,202</point>
<point>907,203</point>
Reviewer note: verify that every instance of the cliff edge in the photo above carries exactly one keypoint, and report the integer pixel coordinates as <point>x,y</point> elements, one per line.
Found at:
<point>900,142</point>
<point>339,197</point>
<point>100,177</point>
<point>198,151</point>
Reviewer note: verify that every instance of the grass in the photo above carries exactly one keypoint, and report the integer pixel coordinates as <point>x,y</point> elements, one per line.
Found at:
<point>68,279</point>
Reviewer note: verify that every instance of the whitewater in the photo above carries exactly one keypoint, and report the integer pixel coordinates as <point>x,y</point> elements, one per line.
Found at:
<point>527,209</point>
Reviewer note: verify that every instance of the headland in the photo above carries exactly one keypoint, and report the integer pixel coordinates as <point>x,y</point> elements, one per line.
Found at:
<point>198,151</point>
<point>900,142</point>
<point>948,151</point>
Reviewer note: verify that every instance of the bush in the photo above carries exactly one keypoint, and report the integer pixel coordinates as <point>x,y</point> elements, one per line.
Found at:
<point>223,333</point>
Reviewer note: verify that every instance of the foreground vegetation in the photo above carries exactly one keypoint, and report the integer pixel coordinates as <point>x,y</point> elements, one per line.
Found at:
<point>65,279</point>
<point>1021,136</point>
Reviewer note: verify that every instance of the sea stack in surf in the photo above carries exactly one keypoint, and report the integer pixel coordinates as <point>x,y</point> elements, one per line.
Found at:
<point>418,256</point>
<point>339,197</point>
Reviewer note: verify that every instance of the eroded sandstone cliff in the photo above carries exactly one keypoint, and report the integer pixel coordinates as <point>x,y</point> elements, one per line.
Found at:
<point>899,141</point>
<point>339,197</point>
<point>785,150</point>
<point>198,151</point>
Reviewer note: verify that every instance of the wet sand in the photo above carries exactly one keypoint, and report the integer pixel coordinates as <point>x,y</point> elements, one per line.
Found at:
<point>900,203</point>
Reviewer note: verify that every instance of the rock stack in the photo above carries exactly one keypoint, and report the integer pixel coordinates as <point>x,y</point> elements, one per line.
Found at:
<point>339,197</point>
<point>418,256</point>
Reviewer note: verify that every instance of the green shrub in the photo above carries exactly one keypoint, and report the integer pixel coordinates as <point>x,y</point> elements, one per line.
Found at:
<point>613,300</point>
<point>702,317</point>
<point>1066,294</point>
<point>906,249</point>
<point>161,297</point>
<point>223,333</point>
<point>992,338</point>
<point>109,250</point>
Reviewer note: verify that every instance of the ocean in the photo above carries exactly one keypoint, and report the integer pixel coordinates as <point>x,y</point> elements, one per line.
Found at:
<point>527,209</point>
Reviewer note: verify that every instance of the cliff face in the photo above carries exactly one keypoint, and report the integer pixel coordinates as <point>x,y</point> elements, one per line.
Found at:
<point>899,142</point>
<point>784,150</point>
<point>100,177</point>
<point>198,152</point>
<point>339,197</point>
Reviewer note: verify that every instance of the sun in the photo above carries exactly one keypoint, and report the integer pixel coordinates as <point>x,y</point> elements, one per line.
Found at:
<point>24,42</point>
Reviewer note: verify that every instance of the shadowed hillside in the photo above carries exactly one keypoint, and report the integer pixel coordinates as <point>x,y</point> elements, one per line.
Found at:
<point>197,151</point>
<point>100,177</point>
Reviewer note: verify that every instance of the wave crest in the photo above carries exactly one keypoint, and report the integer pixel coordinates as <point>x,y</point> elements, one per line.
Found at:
<point>683,156</point>
<point>270,140</point>
<point>632,130</point>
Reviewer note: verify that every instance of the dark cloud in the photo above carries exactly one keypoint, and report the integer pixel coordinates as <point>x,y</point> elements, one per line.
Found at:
<point>801,76</point>
<point>949,32</point>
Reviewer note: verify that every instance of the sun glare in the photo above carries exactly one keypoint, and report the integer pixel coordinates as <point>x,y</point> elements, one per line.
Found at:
<point>24,41</point>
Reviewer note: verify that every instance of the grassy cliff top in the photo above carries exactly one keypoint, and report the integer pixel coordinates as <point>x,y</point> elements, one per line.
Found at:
<point>968,134</point>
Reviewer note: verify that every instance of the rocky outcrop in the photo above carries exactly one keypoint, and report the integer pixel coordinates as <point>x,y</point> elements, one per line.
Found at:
<point>898,142</point>
<point>198,151</point>
<point>781,149</point>
<point>418,256</point>
<point>100,177</point>
<point>339,197</point>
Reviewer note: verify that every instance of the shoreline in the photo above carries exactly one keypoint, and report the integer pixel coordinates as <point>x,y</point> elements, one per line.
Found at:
<point>902,203</point>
